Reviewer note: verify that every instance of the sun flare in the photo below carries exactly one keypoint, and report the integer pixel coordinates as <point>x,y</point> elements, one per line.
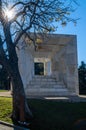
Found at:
<point>9,14</point>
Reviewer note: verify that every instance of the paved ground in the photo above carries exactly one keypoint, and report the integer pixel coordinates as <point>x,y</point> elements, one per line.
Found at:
<point>6,94</point>
<point>79,98</point>
<point>5,127</point>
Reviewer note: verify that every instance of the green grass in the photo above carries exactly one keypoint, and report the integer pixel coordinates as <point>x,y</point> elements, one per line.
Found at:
<point>3,90</point>
<point>48,115</point>
<point>5,109</point>
<point>52,115</point>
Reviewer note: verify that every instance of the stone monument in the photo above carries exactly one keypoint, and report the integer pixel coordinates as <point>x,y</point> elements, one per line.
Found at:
<point>51,69</point>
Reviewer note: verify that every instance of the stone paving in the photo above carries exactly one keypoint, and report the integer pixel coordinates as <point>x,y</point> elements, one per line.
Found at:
<point>3,127</point>
<point>6,127</point>
<point>79,98</point>
<point>6,94</point>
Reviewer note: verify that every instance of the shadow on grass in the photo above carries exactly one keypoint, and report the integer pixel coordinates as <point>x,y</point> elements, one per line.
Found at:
<point>53,115</point>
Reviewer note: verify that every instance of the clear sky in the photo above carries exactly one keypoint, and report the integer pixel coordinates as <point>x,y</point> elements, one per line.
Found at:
<point>79,30</point>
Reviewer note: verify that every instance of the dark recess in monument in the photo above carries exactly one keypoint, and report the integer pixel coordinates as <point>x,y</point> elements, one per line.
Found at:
<point>39,68</point>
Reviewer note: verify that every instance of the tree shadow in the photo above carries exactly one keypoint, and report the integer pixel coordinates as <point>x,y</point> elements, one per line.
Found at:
<point>20,125</point>
<point>80,124</point>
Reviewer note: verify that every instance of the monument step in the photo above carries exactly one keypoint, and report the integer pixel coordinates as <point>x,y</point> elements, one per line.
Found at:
<point>46,92</point>
<point>44,80</point>
<point>45,83</point>
<point>44,76</point>
<point>45,86</point>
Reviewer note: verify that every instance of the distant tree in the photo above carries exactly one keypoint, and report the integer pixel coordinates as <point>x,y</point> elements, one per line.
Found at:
<point>4,79</point>
<point>82,78</point>
<point>18,17</point>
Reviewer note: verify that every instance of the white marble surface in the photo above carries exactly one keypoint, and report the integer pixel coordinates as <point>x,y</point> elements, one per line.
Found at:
<point>61,52</point>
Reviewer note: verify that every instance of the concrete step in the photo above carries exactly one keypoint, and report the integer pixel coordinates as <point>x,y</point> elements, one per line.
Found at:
<point>43,76</point>
<point>44,80</point>
<point>45,86</point>
<point>45,83</point>
<point>47,92</point>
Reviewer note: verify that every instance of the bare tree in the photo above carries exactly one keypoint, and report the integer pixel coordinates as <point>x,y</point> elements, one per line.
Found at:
<point>19,17</point>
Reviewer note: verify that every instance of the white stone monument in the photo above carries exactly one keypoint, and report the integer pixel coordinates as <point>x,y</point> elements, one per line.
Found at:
<point>51,69</point>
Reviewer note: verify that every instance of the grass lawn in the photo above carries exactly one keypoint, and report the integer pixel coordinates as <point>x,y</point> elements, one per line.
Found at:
<point>48,115</point>
<point>1,90</point>
<point>52,115</point>
<point>5,109</point>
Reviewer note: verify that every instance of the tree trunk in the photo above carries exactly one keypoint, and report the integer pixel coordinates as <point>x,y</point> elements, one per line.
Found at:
<point>21,111</point>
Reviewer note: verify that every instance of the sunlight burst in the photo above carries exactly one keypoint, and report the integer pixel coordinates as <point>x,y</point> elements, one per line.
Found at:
<point>9,14</point>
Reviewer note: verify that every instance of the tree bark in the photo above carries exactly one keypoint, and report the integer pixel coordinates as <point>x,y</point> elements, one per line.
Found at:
<point>21,111</point>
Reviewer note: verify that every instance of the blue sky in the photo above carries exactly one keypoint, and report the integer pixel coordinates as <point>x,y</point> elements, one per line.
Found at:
<point>79,30</point>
